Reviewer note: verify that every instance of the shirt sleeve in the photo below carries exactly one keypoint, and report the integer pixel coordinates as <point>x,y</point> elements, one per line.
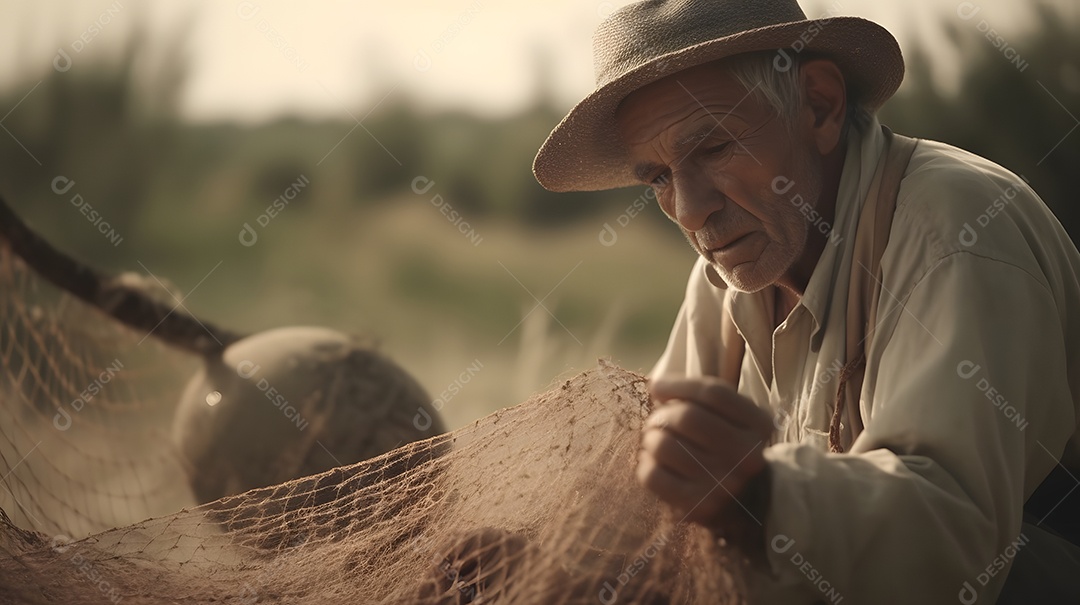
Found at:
<point>694,348</point>
<point>970,411</point>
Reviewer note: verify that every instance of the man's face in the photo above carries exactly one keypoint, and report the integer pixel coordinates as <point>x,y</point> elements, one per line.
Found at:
<point>713,153</point>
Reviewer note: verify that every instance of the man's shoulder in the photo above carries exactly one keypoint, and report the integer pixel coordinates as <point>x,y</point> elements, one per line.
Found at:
<point>954,201</point>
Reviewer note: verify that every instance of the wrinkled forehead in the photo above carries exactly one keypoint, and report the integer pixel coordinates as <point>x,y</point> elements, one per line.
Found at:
<point>683,101</point>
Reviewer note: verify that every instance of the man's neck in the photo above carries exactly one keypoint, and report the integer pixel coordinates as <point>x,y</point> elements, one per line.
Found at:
<point>794,282</point>
<point>783,304</point>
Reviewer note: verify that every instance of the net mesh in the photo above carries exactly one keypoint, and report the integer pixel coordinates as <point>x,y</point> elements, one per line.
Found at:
<point>533,504</point>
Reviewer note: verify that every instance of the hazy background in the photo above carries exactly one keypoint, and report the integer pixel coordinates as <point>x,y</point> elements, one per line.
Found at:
<point>181,122</point>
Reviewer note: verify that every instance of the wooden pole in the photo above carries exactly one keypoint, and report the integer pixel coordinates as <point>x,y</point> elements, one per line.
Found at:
<point>129,305</point>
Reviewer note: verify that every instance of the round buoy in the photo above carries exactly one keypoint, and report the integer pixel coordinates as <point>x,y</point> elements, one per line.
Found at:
<point>291,402</point>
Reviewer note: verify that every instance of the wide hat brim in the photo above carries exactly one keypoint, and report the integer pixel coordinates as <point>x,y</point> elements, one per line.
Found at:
<point>585,153</point>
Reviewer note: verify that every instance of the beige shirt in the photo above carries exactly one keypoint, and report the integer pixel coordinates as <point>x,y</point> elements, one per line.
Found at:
<point>971,391</point>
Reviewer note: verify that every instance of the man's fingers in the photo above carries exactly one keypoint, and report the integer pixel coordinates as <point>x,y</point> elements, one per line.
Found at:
<point>695,423</point>
<point>669,486</point>
<point>691,499</point>
<point>703,435</point>
<point>674,454</point>
<point>717,396</point>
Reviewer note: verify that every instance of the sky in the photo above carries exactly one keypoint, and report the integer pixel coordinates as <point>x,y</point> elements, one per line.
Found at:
<point>256,60</point>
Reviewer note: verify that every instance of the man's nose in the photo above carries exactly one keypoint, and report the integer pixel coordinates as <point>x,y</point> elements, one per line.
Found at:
<point>696,198</point>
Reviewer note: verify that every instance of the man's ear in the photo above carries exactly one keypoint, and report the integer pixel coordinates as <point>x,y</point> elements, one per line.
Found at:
<point>825,94</point>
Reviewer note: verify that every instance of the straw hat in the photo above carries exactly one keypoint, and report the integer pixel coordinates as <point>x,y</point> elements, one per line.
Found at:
<point>646,41</point>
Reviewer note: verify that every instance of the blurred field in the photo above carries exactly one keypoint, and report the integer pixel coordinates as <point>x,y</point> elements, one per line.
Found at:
<point>405,277</point>
<point>490,323</point>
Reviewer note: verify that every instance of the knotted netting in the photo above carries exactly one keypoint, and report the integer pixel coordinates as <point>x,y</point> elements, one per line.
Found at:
<point>532,504</point>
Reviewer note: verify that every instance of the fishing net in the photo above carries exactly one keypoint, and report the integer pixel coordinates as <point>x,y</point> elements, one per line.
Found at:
<point>533,504</point>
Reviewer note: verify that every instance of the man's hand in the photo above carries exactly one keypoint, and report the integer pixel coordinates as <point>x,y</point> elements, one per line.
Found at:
<point>702,453</point>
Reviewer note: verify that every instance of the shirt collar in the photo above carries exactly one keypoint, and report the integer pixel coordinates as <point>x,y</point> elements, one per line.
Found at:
<point>864,150</point>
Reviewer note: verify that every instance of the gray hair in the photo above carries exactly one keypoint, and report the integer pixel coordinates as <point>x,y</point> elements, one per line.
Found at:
<point>761,73</point>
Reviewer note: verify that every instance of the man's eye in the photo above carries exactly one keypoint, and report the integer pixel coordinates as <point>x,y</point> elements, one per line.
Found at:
<point>660,181</point>
<point>722,147</point>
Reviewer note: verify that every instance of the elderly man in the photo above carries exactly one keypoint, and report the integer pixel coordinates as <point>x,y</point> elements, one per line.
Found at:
<point>873,385</point>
